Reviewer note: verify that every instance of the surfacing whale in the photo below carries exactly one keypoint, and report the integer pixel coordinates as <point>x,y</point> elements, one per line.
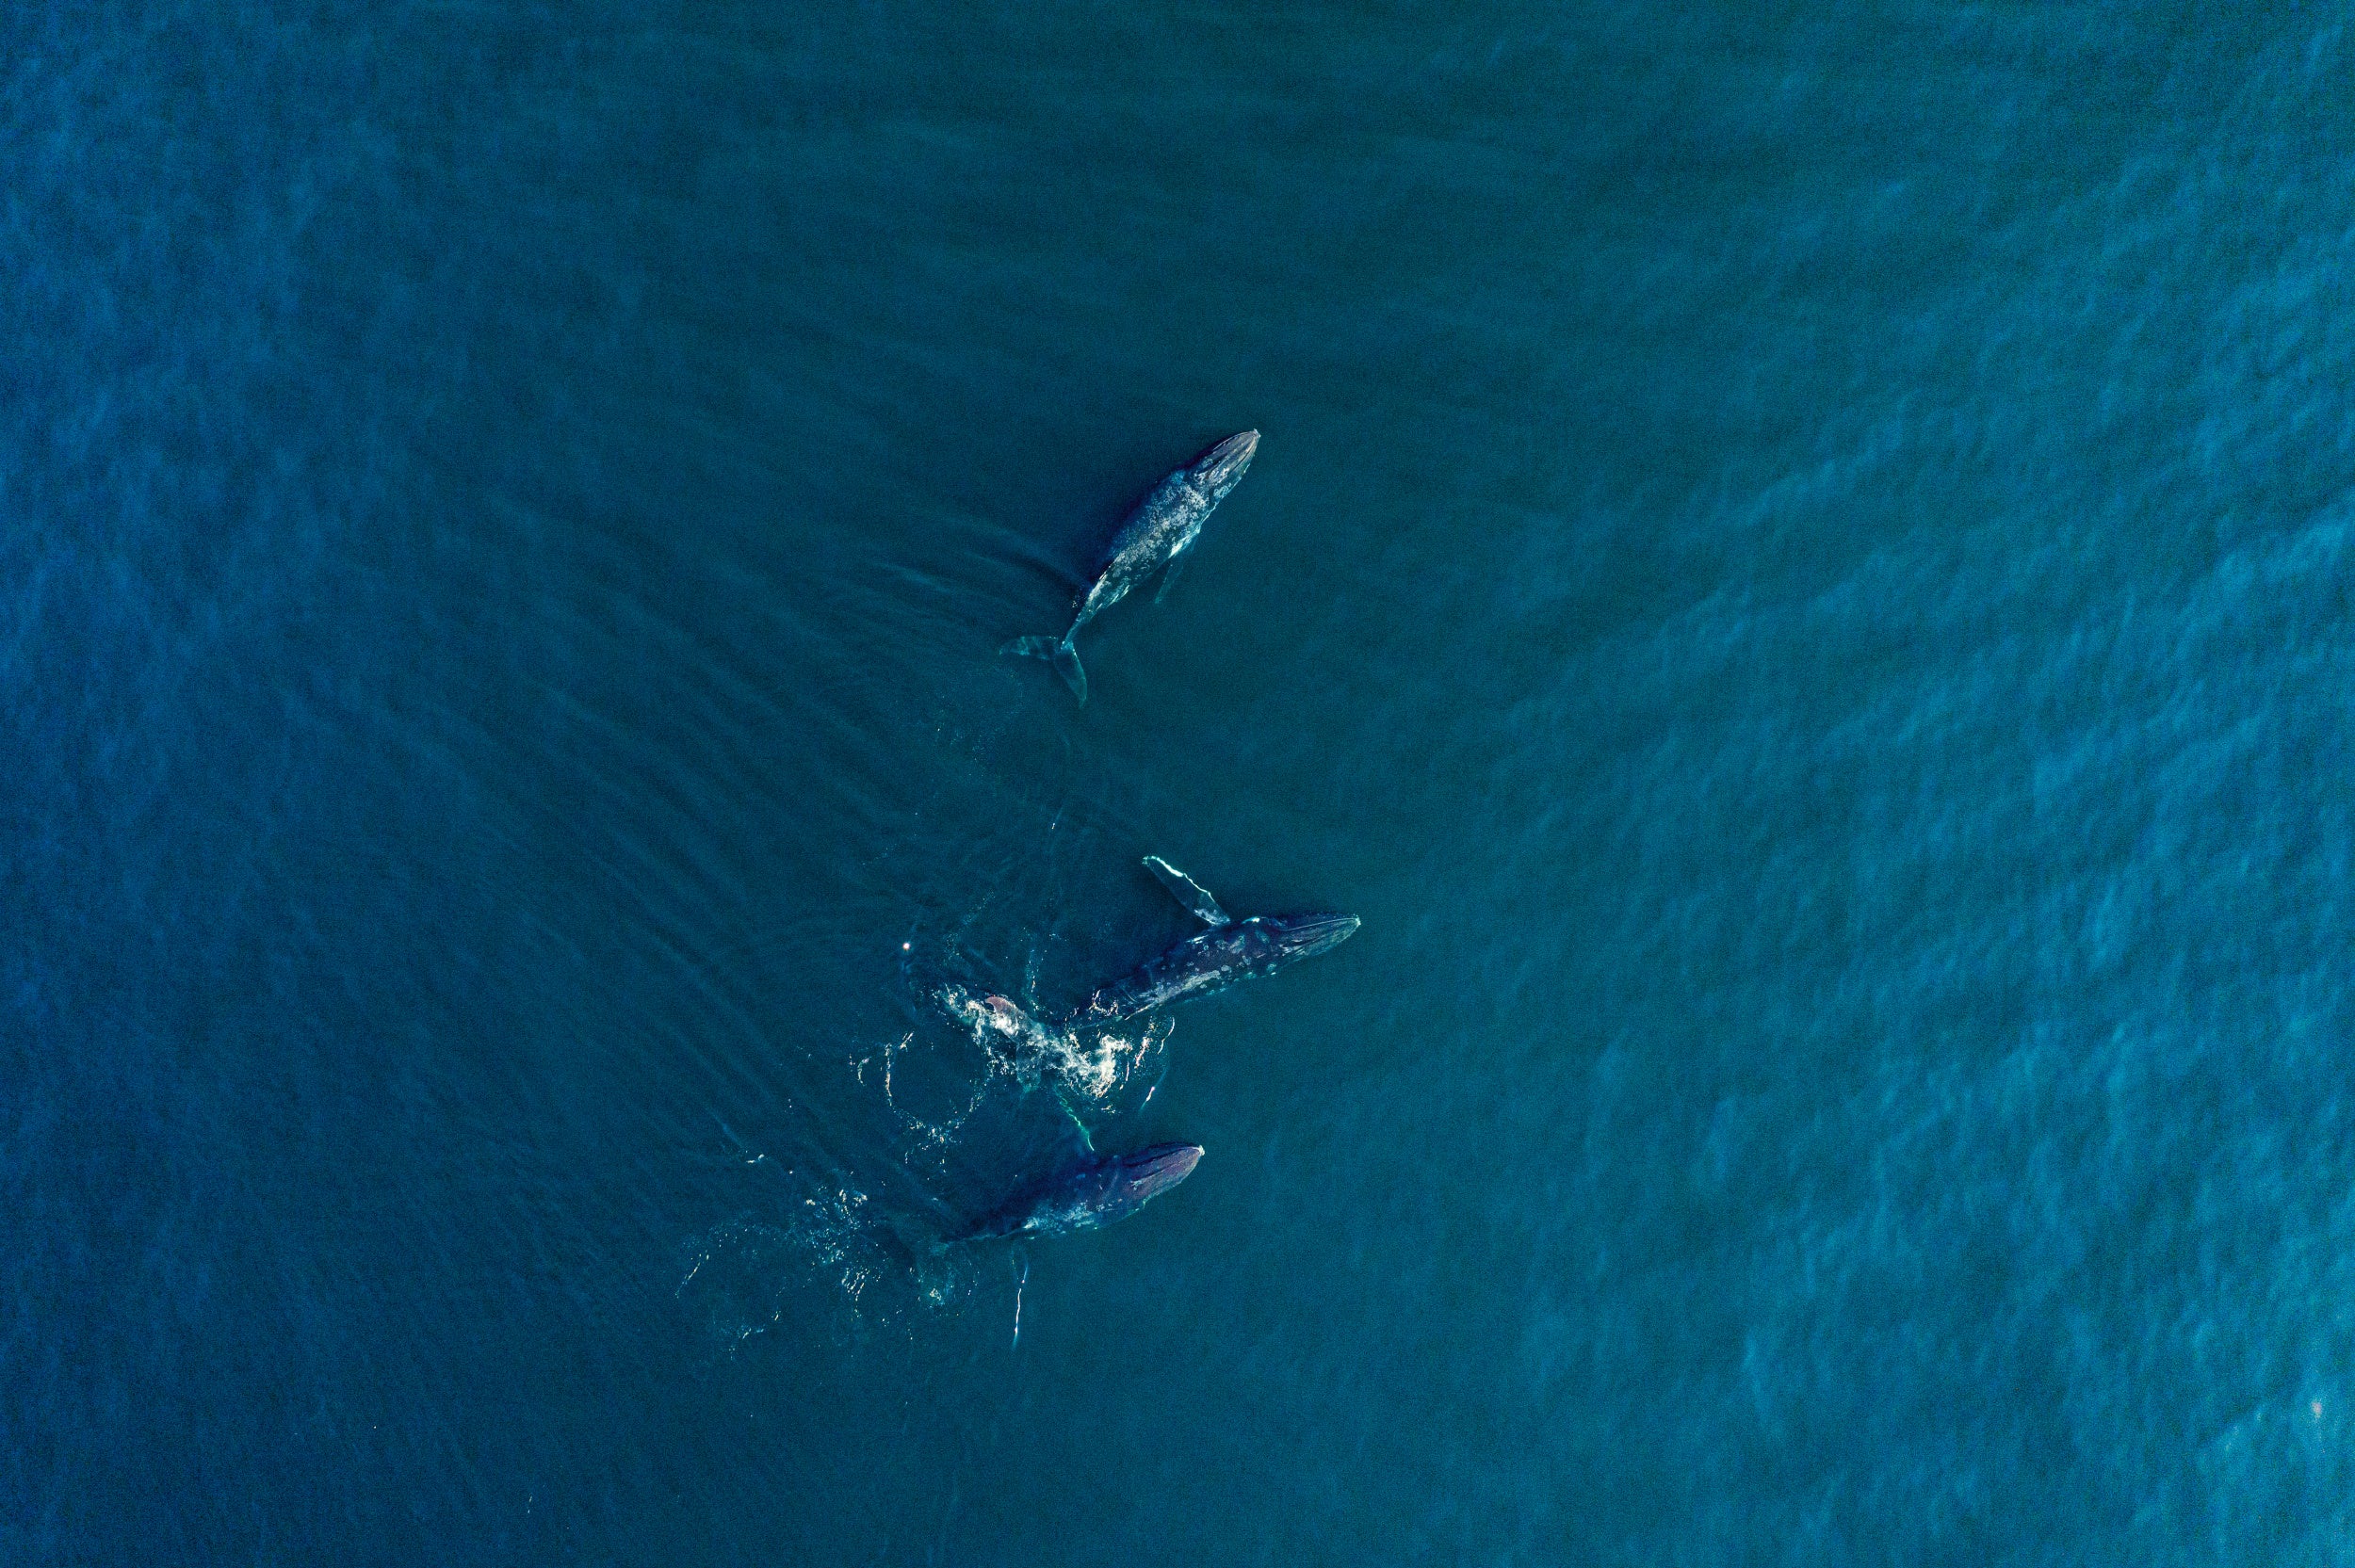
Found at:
<point>1093,1064</point>
<point>1094,1191</point>
<point>1209,961</point>
<point>1156,534</point>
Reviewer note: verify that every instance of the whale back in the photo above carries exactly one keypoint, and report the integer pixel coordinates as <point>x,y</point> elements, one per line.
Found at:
<point>1092,1192</point>
<point>1213,960</point>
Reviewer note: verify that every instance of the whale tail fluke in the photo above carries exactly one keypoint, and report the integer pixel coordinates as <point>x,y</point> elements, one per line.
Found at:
<point>1060,653</point>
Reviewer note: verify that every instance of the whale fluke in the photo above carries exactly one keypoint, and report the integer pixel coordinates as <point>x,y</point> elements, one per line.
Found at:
<point>1060,653</point>
<point>1187,891</point>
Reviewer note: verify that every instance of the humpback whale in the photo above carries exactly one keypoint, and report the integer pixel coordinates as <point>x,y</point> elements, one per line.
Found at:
<point>1156,534</point>
<point>1211,960</point>
<point>1092,1192</point>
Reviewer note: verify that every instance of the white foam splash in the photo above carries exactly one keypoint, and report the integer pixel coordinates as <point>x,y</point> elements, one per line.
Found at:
<point>930,1132</point>
<point>1093,1064</point>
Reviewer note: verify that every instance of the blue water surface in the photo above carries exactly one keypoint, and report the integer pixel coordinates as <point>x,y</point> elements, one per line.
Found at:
<point>1796,580</point>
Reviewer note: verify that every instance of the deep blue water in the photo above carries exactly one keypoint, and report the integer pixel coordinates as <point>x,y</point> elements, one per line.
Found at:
<point>1797,578</point>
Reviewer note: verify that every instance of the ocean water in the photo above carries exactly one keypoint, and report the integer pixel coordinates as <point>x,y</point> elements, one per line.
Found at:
<point>1796,580</point>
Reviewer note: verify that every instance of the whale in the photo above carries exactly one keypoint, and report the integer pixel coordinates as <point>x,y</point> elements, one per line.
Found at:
<point>1211,960</point>
<point>1089,1192</point>
<point>1155,535</point>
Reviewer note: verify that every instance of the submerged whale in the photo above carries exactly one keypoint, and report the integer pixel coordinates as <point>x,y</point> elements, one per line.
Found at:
<point>1209,961</point>
<point>1093,1192</point>
<point>1156,534</point>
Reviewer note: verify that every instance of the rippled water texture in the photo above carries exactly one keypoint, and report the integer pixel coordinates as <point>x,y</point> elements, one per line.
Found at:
<point>1796,580</point>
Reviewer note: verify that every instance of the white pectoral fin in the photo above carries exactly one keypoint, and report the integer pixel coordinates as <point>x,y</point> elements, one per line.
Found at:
<point>1079,1128</point>
<point>1169,573</point>
<point>1186,891</point>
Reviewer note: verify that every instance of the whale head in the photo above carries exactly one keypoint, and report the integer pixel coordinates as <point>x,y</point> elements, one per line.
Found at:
<point>1150,1172</point>
<point>1220,468</point>
<point>1306,936</point>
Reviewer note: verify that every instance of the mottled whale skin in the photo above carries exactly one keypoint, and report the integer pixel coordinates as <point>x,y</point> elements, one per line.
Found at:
<point>1091,1192</point>
<point>1156,535</point>
<point>1213,960</point>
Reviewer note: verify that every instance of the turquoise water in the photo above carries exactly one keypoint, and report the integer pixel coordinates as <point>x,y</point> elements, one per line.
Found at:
<point>1795,579</point>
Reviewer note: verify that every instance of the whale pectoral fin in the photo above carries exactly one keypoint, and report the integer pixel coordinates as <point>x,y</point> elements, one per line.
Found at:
<point>1169,574</point>
<point>1187,891</point>
<point>1079,1128</point>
